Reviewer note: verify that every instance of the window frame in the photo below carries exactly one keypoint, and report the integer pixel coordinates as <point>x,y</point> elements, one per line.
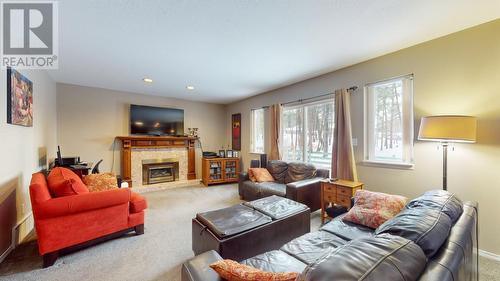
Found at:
<point>304,106</point>
<point>407,123</point>
<point>252,131</point>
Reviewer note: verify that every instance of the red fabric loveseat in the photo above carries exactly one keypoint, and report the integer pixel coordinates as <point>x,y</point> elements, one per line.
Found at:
<point>67,223</point>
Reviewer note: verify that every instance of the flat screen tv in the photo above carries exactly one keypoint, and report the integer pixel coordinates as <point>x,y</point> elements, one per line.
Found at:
<point>157,121</point>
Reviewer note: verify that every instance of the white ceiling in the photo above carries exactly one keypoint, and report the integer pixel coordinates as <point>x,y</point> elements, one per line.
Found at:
<point>233,49</point>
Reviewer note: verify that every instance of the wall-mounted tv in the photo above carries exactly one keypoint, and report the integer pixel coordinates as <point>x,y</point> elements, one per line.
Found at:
<point>157,121</point>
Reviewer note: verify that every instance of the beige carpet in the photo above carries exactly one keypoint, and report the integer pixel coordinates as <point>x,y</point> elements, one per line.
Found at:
<point>157,254</point>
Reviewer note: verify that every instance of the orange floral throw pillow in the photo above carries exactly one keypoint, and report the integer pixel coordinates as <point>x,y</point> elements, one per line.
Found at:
<point>232,271</point>
<point>250,175</point>
<point>374,208</point>
<point>100,182</point>
<point>261,174</point>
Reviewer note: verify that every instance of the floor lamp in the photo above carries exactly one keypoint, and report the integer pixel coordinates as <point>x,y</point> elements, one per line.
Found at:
<point>446,129</point>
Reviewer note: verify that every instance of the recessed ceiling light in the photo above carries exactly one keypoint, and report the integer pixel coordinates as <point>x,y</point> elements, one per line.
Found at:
<point>190,88</point>
<point>147,80</point>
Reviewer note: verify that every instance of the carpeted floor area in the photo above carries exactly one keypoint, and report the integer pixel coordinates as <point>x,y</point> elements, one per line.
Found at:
<point>156,255</point>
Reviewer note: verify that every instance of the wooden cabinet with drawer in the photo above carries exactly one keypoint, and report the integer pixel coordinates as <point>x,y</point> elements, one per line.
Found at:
<point>337,192</point>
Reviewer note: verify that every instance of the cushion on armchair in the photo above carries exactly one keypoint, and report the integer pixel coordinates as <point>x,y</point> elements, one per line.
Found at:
<point>298,171</point>
<point>278,170</point>
<point>261,174</point>
<point>64,182</point>
<point>100,182</point>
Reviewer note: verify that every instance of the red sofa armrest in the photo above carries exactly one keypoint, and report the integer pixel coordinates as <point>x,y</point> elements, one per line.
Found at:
<point>68,205</point>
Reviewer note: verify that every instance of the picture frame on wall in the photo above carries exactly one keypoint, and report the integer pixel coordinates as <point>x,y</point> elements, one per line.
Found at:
<point>236,131</point>
<point>229,153</point>
<point>19,99</point>
<point>236,154</point>
<point>222,153</point>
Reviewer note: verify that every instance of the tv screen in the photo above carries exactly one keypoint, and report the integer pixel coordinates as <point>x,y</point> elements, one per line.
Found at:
<point>158,121</point>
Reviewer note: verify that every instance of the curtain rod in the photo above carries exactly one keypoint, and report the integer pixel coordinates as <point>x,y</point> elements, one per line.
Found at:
<point>350,89</point>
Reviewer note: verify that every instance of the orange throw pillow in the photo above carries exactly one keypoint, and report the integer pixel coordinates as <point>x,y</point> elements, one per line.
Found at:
<point>374,208</point>
<point>100,182</point>
<point>64,182</point>
<point>250,175</point>
<point>261,174</point>
<point>233,271</point>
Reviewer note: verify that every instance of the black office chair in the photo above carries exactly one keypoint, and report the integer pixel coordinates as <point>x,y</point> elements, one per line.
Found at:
<point>95,170</point>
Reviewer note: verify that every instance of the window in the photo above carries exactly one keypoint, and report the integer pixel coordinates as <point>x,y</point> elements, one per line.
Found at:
<point>389,122</point>
<point>307,133</point>
<point>257,131</point>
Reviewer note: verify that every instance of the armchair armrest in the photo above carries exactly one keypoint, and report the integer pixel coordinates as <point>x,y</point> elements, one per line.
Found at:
<point>243,177</point>
<point>68,205</point>
<point>307,192</point>
<point>198,268</point>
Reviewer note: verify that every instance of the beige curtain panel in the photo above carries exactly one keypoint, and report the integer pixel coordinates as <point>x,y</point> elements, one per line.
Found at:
<point>343,164</point>
<point>275,112</point>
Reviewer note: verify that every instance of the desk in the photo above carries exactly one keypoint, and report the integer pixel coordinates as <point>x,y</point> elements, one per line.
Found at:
<point>337,192</point>
<point>81,170</point>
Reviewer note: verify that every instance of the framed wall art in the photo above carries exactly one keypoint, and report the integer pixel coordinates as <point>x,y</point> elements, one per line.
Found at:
<point>19,99</point>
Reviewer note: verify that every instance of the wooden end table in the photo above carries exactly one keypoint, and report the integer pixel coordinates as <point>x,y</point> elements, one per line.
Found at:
<point>337,192</point>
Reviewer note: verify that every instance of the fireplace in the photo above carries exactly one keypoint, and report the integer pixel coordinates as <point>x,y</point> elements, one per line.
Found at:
<point>160,170</point>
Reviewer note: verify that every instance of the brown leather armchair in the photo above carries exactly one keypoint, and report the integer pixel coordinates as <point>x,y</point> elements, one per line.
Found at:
<point>296,181</point>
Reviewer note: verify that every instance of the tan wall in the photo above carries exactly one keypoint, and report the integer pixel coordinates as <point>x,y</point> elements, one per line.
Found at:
<point>456,74</point>
<point>24,150</point>
<point>89,119</point>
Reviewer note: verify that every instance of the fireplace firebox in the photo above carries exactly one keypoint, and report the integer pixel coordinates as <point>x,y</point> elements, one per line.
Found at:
<point>159,170</point>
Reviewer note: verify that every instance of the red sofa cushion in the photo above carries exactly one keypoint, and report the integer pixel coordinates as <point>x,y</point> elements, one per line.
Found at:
<point>63,182</point>
<point>137,203</point>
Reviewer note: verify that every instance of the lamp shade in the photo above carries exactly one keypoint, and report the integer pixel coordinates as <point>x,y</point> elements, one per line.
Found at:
<point>448,128</point>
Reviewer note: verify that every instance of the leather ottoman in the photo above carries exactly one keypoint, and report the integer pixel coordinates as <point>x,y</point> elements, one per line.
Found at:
<point>245,230</point>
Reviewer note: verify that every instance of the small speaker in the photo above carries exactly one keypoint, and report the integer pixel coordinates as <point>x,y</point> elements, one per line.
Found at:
<point>263,160</point>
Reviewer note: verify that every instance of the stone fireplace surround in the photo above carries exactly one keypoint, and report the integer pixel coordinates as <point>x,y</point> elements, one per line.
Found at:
<point>135,149</point>
<point>140,155</point>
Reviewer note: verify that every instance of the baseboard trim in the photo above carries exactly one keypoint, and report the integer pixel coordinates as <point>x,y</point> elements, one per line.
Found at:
<point>489,255</point>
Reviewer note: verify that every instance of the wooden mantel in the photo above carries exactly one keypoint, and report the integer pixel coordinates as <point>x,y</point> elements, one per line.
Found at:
<point>130,142</point>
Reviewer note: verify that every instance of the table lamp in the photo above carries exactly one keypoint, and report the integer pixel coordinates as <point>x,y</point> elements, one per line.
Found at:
<point>446,129</point>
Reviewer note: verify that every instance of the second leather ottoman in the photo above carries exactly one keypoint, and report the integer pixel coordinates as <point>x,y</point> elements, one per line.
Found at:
<point>251,228</point>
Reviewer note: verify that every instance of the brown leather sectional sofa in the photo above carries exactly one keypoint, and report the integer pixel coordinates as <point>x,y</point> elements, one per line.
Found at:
<point>433,238</point>
<point>296,181</point>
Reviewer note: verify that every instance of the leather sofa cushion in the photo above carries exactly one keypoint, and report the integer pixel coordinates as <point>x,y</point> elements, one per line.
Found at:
<point>198,267</point>
<point>232,220</point>
<point>137,203</point>
<point>441,200</point>
<point>311,246</point>
<point>347,230</point>
<point>271,188</point>
<point>428,228</point>
<point>298,171</point>
<point>278,170</point>
<point>383,257</point>
<point>276,207</point>
<point>275,261</point>
<point>64,182</point>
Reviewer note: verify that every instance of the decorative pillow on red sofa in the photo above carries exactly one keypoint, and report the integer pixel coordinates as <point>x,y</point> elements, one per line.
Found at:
<point>374,208</point>
<point>63,182</point>
<point>233,271</point>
